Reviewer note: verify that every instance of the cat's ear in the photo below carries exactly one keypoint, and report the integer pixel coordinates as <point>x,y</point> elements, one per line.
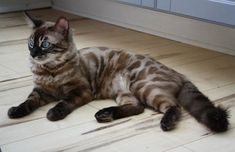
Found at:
<point>34,23</point>
<point>62,26</point>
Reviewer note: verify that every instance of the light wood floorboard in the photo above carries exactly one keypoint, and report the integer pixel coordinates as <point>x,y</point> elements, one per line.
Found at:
<point>212,72</point>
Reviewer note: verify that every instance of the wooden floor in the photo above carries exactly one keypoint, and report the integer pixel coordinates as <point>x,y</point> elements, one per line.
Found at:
<point>212,72</point>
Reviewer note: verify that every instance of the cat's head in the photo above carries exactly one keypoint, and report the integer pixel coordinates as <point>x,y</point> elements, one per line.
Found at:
<point>49,41</point>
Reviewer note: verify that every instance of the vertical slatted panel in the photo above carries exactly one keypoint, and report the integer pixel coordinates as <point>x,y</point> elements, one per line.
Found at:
<point>148,3</point>
<point>136,2</point>
<point>163,4</point>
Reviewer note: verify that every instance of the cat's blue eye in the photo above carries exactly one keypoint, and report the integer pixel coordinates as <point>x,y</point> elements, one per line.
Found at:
<point>31,42</point>
<point>45,44</point>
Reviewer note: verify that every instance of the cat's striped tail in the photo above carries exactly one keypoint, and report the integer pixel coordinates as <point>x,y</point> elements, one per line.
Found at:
<point>202,109</point>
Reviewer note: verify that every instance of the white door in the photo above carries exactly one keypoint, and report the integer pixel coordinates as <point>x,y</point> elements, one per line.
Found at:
<point>214,10</point>
<point>16,5</point>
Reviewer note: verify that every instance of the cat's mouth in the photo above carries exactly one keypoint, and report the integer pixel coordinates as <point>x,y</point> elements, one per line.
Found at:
<point>40,58</point>
<point>37,56</point>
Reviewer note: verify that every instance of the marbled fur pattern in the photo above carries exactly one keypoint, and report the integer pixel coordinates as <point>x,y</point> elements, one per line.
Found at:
<point>76,77</point>
<point>111,70</point>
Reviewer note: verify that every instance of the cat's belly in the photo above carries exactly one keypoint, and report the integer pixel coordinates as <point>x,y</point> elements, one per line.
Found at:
<point>110,87</point>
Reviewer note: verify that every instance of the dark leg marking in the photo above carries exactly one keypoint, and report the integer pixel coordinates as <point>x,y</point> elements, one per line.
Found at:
<point>19,111</point>
<point>35,100</point>
<point>170,118</point>
<point>117,112</point>
<point>60,111</point>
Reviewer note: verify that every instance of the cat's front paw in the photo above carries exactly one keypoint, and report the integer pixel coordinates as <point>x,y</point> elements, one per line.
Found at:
<point>17,112</point>
<point>105,115</point>
<point>57,113</point>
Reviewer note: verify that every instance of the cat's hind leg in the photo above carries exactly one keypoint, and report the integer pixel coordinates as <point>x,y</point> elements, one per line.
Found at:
<point>159,96</point>
<point>170,118</point>
<point>128,106</point>
<point>166,105</point>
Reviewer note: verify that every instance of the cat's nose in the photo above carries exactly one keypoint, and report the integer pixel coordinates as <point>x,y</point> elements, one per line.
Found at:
<point>33,54</point>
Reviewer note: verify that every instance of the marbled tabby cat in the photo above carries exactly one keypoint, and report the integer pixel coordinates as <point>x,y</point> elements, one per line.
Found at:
<point>76,77</point>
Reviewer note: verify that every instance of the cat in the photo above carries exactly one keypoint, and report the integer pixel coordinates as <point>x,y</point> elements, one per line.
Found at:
<point>74,78</point>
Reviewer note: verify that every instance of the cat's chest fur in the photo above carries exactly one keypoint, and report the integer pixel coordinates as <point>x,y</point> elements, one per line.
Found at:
<point>58,81</point>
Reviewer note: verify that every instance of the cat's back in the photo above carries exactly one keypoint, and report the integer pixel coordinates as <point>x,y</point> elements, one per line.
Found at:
<point>99,58</point>
<point>116,60</point>
<point>96,54</point>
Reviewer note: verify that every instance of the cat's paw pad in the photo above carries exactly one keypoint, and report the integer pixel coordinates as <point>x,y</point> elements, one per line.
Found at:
<point>104,115</point>
<point>17,112</point>
<point>56,113</point>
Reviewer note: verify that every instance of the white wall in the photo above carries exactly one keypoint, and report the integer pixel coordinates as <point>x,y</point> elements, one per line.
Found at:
<point>16,5</point>
<point>178,28</point>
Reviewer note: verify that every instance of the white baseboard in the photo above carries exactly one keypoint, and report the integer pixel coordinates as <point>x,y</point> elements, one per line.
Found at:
<point>18,5</point>
<point>190,31</point>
